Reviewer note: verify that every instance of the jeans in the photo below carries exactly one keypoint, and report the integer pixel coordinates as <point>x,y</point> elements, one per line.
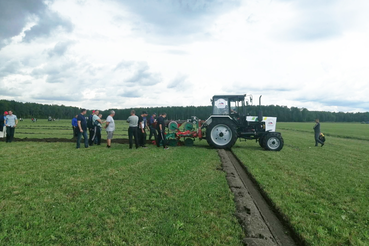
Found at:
<point>9,134</point>
<point>84,133</point>
<point>317,140</point>
<point>98,135</point>
<point>153,133</point>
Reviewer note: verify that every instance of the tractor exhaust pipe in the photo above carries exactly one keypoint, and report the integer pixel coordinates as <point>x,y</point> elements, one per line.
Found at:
<point>260,114</point>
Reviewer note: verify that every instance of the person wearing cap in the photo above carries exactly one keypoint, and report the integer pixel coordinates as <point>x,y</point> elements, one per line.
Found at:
<point>151,122</point>
<point>142,124</point>
<point>10,122</point>
<point>3,126</point>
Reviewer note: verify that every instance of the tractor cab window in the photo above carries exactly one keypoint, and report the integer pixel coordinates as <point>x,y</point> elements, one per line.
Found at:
<point>236,107</point>
<point>220,106</point>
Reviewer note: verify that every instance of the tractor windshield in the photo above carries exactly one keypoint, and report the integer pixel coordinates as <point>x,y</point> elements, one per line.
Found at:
<point>220,106</point>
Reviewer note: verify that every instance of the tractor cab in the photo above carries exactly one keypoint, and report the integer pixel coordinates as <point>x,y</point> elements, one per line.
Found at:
<point>228,105</point>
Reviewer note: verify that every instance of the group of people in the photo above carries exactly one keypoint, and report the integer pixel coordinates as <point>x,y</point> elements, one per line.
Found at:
<point>7,128</point>
<point>138,124</point>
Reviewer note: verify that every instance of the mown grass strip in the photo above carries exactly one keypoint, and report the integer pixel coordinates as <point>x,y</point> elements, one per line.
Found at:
<point>53,194</point>
<point>323,191</point>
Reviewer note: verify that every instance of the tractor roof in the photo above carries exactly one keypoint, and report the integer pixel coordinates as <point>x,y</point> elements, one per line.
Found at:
<point>232,97</point>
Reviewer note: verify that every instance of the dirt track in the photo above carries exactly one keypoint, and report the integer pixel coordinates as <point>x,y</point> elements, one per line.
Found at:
<point>259,221</point>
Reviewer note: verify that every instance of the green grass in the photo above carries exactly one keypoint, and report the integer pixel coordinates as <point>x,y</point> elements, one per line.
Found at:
<point>323,191</point>
<point>344,130</point>
<point>53,194</point>
<point>59,129</point>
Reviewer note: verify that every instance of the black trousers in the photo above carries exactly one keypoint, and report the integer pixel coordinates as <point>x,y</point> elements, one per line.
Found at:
<point>75,131</point>
<point>142,136</point>
<point>10,134</point>
<point>98,135</point>
<point>92,135</point>
<point>153,133</point>
<point>161,137</point>
<point>132,132</point>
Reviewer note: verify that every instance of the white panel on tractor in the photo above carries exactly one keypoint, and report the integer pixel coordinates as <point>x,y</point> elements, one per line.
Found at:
<point>270,122</point>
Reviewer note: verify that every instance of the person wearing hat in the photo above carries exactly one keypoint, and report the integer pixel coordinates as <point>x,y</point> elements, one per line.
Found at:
<point>10,122</point>
<point>3,126</point>
<point>151,123</point>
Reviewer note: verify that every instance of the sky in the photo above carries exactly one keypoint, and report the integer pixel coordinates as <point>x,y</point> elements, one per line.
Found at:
<point>101,54</point>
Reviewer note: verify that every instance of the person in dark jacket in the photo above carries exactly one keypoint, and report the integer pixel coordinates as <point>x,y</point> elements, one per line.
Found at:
<point>160,127</point>
<point>82,127</point>
<point>142,125</point>
<point>152,123</point>
<point>317,133</point>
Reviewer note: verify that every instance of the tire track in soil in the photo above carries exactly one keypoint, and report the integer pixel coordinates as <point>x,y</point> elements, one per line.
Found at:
<point>257,218</point>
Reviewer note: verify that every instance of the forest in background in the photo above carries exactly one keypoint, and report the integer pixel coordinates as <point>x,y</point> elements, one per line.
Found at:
<point>283,113</point>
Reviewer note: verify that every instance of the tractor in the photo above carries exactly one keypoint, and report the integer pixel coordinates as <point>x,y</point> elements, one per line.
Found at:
<point>230,122</point>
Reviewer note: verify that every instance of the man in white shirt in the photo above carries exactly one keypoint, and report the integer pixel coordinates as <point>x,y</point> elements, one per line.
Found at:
<point>110,128</point>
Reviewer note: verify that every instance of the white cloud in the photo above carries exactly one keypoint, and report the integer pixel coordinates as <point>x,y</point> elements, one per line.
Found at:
<point>104,54</point>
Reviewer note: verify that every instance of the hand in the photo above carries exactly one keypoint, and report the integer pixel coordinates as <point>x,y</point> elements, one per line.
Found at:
<point>81,130</point>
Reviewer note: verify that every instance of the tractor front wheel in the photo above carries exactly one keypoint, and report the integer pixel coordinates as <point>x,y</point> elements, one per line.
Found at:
<point>273,141</point>
<point>221,134</point>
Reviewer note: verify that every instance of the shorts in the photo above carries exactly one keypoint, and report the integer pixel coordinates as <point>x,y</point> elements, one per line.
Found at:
<point>110,135</point>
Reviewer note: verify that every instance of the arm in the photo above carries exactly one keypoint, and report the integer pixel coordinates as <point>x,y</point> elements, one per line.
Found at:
<point>79,126</point>
<point>16,122</point>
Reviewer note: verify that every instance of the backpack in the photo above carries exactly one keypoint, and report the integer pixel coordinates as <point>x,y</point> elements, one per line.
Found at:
<point>90,123</point>
<point>322,137</point>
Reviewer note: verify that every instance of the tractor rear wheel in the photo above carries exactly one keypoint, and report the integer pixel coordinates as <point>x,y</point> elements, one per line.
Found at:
<point>273,141</point>
<point>221,134</point>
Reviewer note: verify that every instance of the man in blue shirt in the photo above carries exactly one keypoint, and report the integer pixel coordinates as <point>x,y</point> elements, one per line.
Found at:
<point>82,127</point>
<point>10,122</point>
<point>75,126</point>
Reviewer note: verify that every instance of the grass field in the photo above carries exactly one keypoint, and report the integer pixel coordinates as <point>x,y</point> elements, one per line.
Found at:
<point>322,190</point>
<point>49,196</point>
<point>53,194</point>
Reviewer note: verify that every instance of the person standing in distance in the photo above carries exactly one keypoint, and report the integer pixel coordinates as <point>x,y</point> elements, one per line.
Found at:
<point>317,133</point>
<point>142,125</point>
<point>82,127</point>
<point>110,128</point>
<point>11,122</point>
<point>133,128</point>
<point>161,130</point>
<point>75,126</point>
<point>3,125</point>
<point>151,122</point>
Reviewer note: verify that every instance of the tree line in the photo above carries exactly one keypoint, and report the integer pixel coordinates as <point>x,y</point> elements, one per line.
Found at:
<point>283,113</point>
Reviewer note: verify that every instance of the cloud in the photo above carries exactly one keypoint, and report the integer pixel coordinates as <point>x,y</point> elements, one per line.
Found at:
<point>177,21</point>
<point>130,93</point>
<point>9,67</point>
<point>137,73</point>
<point>57,97</point>
<point>16,14</point>
<point>180,82</point>
<point>319,20</point>
<point>60,48</point>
